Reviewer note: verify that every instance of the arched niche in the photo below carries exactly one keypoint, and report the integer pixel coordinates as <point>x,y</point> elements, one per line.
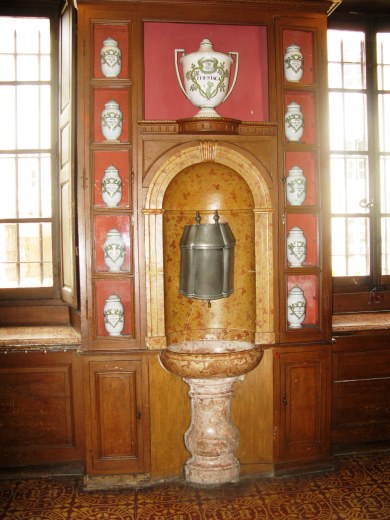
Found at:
<point>258,180</point>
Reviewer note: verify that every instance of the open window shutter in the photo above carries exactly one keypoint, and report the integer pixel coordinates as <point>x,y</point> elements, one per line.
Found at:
<point>66,155</point>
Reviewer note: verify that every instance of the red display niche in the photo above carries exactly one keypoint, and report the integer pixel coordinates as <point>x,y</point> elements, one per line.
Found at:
<point>103,224</point>
<point>120,159</point>
<point>120,33</point>
<point>304,39</point>
<point>307,103</point>
<point>101,97</point>
<point>122,288</point>
<point>308,162</point>
<point>163,96</point>
<point>309,286</point>
<point>308,224</point>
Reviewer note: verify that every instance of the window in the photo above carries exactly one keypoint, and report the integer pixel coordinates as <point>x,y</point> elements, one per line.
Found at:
<point>27,157</point>
<point>359,116</point>
<point>37,161</point>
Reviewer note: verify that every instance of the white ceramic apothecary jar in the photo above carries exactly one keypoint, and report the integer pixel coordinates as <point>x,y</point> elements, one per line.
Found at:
<point>293,122</point>
<point>114,250</point>
<point>113,315</point>
<point>111,187</point>
<point>295,186</point>
<point>293,63</point>
<point>296,247</point>
<point>206,77</point>
<point>110,58</point>
<point>296,308</point>
<point>111,120</point>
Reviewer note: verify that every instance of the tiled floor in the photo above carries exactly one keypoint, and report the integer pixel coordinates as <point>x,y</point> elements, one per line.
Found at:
<point>359,489</point>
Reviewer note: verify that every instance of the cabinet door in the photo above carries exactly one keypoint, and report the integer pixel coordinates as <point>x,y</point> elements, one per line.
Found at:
<point>303,390</point>
<point>118,418</point>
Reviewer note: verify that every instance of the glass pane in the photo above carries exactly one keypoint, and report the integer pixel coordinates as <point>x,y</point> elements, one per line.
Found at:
<point>27,68</point>
<point>32,35</point>
<point>349,183</point>
<point>353,76</point>
<point>45,186</point>
<point>339,267</point>
<point>7,67</point>
<point>383,60</point>
<point>25,255</point>
<point>28,116</point>
<point>29,187</point>
<point>384,122</point>
<point>46,243</point>
<point>8,127</point>
<point>30,242</point>
<point>354,234</point>
<point>8,192</point>
<point>8,241</point>
<point>334,45</point>
<point>353,46</point>
<point>45,68</point>
<point>385,184</point>
<point>335,75</point>
<point>7,35</point>
<point>348,121</point>
<point>45,121</point>
<point>385,245</point>
<point>348,49</point>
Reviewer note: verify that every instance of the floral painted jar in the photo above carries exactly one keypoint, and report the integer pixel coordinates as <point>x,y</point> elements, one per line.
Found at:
<point>295,186</point>
<point>293,122</point>
<point>111,187</point>
<point>206,75</point>
<point>296,308</point>
<point>293,63</point>
<point>296,247</point>
<point>114,250</point>
<point>114,315</point>
<point>110,58</point>
<point>111,120</point>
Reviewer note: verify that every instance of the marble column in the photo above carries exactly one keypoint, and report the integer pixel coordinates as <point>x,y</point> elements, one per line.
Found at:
<point>211,438</point>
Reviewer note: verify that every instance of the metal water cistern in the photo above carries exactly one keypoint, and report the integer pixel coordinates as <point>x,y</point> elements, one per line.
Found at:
<point>207,260</point>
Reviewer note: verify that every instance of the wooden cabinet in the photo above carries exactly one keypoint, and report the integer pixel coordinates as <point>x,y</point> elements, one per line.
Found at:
<point>305,275</point>
<point>117,415</point>
<point>302,406</point>
<point>105,182</point>
<point>361,392</point>
<point>150,150</point>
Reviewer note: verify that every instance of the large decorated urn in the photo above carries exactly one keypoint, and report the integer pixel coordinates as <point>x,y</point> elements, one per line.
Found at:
<point>206,77</point>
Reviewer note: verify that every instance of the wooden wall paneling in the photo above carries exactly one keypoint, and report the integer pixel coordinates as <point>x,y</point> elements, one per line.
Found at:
<point>170,419</point>
<point>252,414</point>
<point>361,390</point>
<point>41,408</point>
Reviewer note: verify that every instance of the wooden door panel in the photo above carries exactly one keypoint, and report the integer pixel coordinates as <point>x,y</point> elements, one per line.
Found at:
<point>304,416</point>
<point>118,425</point>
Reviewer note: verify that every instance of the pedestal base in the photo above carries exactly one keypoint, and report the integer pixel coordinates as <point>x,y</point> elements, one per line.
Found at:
<point>211,438</point>
<point>207,471</point>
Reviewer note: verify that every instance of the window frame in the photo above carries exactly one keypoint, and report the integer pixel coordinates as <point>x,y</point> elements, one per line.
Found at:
<point>43,295</point>
<point>366,293</point>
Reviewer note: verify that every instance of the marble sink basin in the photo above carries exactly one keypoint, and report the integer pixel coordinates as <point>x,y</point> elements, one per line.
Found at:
<point>210,359</point>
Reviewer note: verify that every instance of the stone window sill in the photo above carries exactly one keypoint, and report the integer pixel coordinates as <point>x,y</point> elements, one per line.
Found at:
<point>360,322</point>
<point>34,338</point>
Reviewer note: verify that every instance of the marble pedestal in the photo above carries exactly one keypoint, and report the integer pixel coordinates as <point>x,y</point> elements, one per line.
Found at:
<point>211,438</point>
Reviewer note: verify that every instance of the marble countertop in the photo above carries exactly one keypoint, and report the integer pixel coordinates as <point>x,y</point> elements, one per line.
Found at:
<point>367,321</point>
<point>34,337</point>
